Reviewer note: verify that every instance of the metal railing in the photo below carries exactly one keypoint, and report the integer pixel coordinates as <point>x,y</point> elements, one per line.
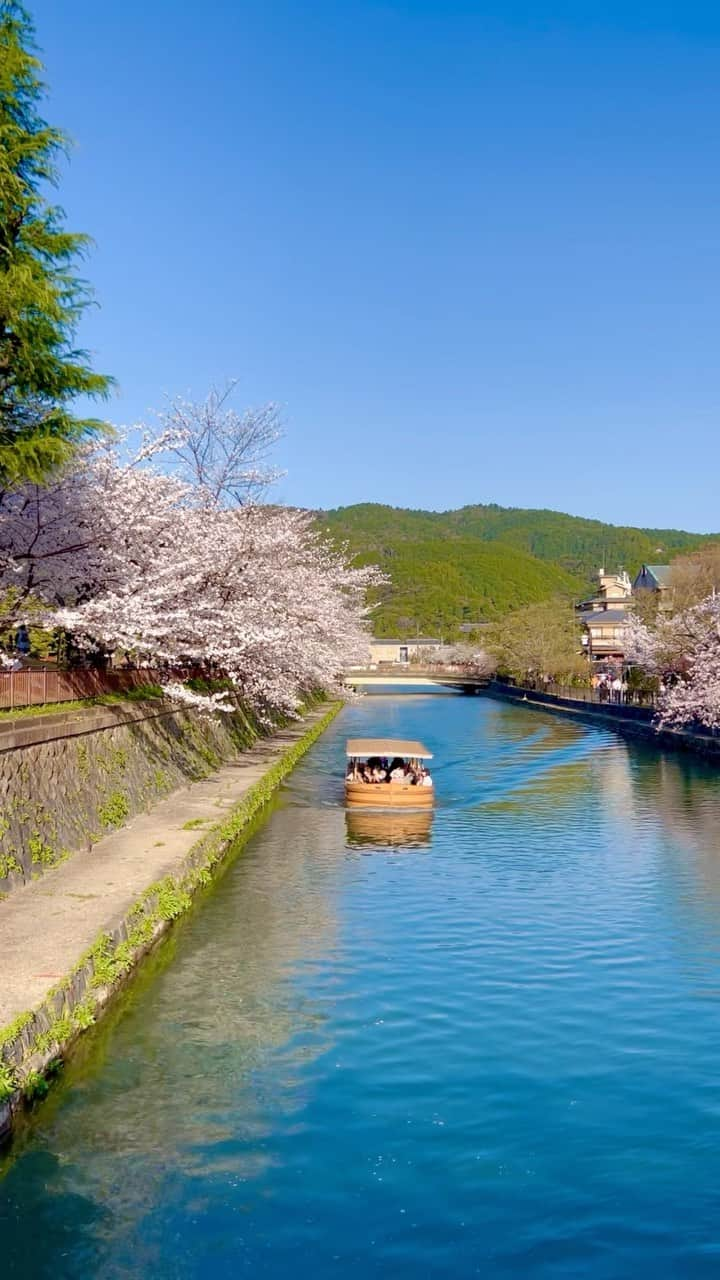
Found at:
<point>635,708</point>
<point>410,669</point>
<point>34,688</point>
<point>581,693</point>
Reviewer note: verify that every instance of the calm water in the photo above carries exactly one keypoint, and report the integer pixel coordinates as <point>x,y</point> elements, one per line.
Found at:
<point>487,1045</point>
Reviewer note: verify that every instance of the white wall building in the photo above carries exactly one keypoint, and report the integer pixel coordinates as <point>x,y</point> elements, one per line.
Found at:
<point>401,652</point>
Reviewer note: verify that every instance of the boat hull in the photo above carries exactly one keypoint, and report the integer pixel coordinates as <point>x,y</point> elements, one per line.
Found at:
<point>387,795</point>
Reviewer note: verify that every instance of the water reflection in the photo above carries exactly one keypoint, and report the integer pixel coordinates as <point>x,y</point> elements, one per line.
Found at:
<point>407,830</point>
<point>682,796</point>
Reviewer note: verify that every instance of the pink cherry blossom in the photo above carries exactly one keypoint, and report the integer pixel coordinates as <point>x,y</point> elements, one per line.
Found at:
<point>683,649</point>
<point>186,567</point>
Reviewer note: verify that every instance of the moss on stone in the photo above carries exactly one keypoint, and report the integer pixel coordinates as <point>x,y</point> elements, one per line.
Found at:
<point>114,809</point>
<point>14,1028</point>
<point>43,853</point>
<point>83,759</point>
<point>8,865</point>
<point>8,1081</point>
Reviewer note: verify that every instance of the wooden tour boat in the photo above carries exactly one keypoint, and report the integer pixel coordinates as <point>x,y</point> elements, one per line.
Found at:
<point>387,795</point>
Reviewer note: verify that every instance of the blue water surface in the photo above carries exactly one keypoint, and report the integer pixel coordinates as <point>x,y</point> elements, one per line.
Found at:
<point>484,1041</point>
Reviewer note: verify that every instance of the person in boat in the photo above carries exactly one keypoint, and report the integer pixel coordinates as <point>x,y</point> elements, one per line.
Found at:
<point>397,771</point>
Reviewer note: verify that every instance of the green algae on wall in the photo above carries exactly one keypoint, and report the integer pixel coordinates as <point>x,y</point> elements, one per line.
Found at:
<point>66,793</point>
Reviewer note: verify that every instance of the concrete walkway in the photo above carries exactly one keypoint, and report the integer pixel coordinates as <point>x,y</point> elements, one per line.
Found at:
<point>47,925</point>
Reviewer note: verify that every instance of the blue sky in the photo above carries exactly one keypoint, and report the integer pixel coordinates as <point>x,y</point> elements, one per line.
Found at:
<point>473,249</point>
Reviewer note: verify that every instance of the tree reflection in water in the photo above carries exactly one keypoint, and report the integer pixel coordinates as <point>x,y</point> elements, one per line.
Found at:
<point>679,795</point>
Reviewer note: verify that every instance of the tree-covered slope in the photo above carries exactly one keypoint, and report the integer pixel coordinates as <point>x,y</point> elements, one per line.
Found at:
<point>440,579</point>
<point>481,561</point>
<point>438,584</point>
<point>576,544</point>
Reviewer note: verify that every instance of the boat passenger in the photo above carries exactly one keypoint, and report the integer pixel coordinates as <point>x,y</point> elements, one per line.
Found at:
<point>397,774</point>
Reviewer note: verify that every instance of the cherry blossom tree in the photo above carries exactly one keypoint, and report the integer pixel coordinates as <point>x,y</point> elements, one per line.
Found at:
<point>222,453</point>
<point>474,661</point>
<point>186,568</point>
<point>78,536</point>
<point>684,651</point>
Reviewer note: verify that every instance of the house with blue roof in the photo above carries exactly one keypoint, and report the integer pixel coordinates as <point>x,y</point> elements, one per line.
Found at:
<point>656,579</point>
<point>652,577</point>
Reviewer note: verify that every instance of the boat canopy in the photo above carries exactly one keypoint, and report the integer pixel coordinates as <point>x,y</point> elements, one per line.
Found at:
<point>363,748</point>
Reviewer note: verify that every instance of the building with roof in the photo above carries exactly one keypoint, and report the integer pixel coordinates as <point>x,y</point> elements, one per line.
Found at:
<point>604,634</point>
<point>604,617</point>
<point>655,580</point>
<point>653,577</point>
<point>419,649</point>
<point>613,589</point>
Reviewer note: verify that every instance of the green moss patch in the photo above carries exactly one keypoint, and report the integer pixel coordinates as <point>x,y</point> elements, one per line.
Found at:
<point>114,809</point>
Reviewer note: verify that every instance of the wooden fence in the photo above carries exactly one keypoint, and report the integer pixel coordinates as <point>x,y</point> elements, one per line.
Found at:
<point>33,688</point>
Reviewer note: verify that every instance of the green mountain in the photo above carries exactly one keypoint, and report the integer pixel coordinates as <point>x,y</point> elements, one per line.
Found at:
<point>478,562</point>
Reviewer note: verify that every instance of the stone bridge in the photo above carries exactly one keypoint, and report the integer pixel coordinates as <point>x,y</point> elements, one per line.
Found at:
<point>395,675</point>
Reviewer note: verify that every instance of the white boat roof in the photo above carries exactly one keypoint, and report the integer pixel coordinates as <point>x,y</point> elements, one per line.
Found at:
<point>360,748</point>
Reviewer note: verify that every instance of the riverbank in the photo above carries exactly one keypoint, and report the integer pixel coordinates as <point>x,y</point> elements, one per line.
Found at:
<point>635,722</point>
<point>69,940</point>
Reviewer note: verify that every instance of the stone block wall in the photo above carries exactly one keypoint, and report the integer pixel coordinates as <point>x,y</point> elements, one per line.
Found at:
<point>66,781</point>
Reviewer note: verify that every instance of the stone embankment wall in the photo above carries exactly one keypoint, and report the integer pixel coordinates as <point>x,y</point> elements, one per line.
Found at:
<point>68,779</point>
<point>637,722</point>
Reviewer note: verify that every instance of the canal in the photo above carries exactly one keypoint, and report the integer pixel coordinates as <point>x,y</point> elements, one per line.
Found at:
<point>487,1043</point>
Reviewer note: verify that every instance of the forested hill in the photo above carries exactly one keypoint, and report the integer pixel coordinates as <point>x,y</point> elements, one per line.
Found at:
<point>477,562</point>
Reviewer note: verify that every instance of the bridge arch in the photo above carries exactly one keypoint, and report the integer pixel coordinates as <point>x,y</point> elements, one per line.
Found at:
<point>433,679</point>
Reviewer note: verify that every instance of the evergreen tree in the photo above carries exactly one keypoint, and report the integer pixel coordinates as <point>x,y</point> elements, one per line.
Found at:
<point>41,296</point>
